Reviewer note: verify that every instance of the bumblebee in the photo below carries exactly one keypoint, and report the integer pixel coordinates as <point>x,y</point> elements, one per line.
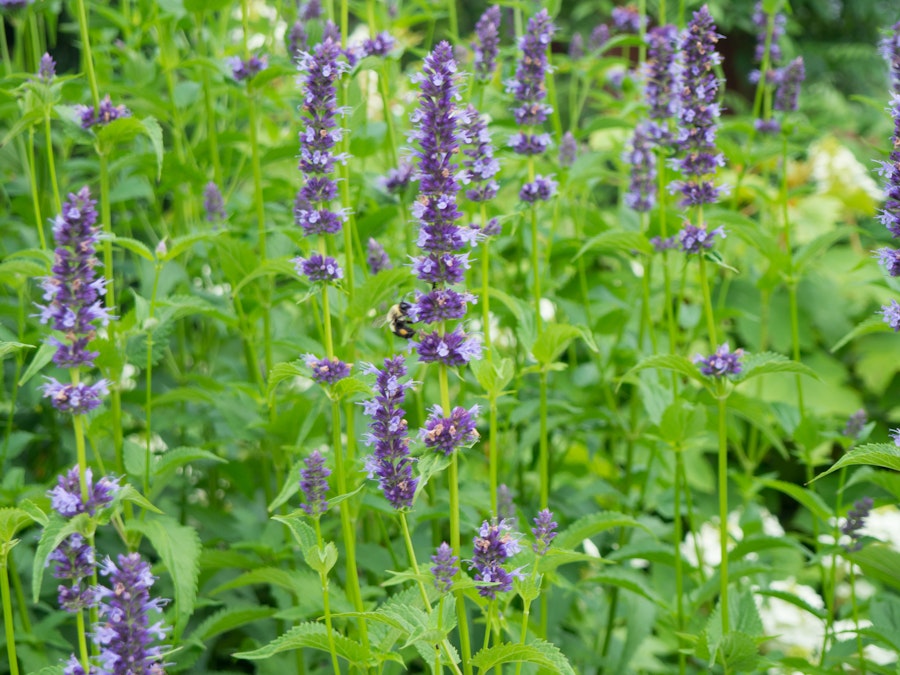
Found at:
<point>398,319</point>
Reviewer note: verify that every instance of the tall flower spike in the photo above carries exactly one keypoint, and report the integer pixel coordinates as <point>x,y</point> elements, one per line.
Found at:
<point>327,371</point>
<point>445,567</point>
<point>244,69</point>
<point>47,70</point>
<point>789,81</point>
<point>436,135</point>
<point>528,87</point>
<point>627,19</point>
<point>495,543</point>
<point>390,462</point>
<point>487,42</point>
<point>855,424</point>
<point>660,81</point>
<point>761,21</point>
<point>314,485</point>
<point>65,497</point>
<point>568,150</point>
<point>125,633</point>
<point>213,203</point>
<point>479,162</point>
<point>890,173</point>
<point>377,258</point>
<point>105,113</point>
<point>641,195</point>
<point>447,434</point>
<point>890,50</point>
<point>544,532</point>
<point>698,112</point>
<point>74,559</point>
<point>856,521</point>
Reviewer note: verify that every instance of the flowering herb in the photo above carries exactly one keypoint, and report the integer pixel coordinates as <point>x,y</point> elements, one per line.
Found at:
<point>855,424</point>
<point>599,37</point>
<point>47,70</point>
<point>661,81</point>
<point>327,371</point>
<point>506,507</point>
<point>244,69</point>
<point>627,19</point>
<point>102,115</point>
<point>65,497</point>
<point>528,86</point>
<point>568,150</point>
<point>576,47</point>
<point>761,22</point>
<point>891,314</point>
<point>390,462</point>
<point>213,203</point>
<point>668,244</point>
<point>397,179</point>
<point>856,521</point>
<point>487,43</point>
<point>380,45</point>
<point>75,563</point>
<point>789,80</point>
<point>641,195</point>
<point>480,165</point>
<point>544,532</point>
<point>722,363</point>
<point>495,544</point>
<point>376,257</point>
<point>445,567</point>
<point>297,40</point>
<point>448,434</point>
<point>311,10</point>
<point>319,268</point>
<point>314,485</point>
<point>695,239</point>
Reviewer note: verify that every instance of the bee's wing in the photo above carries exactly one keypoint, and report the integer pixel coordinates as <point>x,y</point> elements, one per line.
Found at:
<point>381,321</point>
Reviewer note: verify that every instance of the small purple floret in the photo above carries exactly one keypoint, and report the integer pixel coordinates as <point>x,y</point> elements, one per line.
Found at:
<point>445,567</point>
<point>319,268</point>
<point>696,239</point>
<point>327,371</point>
<point>723,362</point>
<point>244,69</point>
<point>544,532</point>
<point>447,434</point>
<point>314,485</point>
<point>495,543</point>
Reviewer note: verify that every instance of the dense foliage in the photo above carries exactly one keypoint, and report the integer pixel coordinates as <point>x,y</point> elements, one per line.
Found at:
<point>445,337</point>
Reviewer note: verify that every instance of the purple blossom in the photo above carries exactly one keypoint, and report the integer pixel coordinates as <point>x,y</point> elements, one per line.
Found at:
<point>297,39</point>
<point>479,163</point>
<point>487,43</point>
<point>761,21</point>
<point>65,497</point>
<point>669,243</point>
<point>73,293</point>
<point>380,45</point>
<point>492,229</point>
<point>446,434</point>
<point>47,70</point>
<point>856,520</point>
<point>890,260</point>
<point>494,545</point>
<point>376,257</point>
<point>74,559</point>
<point>627,19</point>
<point>695,239</point>
<point>452,349</point>
<point>855,424</point>
<point>397,179</point>
<point>105,113</point>
<point>506,507</point>
<point>576,47</point>
<point>890,50</point>
<point>440,304</point>
<point>698,112</point>
<point>14,4</point>
<point>311,10</point>
<point>640,155</point>
<point>436,268</point>
<point>528,86</point>
<point>544,532</point>
<point>891,314</point>
<point>319,268</point>
<point>445,567</point>
<point>213,203</point>
<point>889,216</point>
<point>326,371</point>
<point>789,81</point>
<point>244,69</point>
<point>314,485</point>
<point>568,150</point>
<point>770,126</point>
<point>599,37</point>
<point>529,144</point>
<point>125,633</point>
<point>895,436</point>
<point>661,81</point>
<point>390,462</point>
<point>542,188</point>
<point>76,399</point>
<point>723,362</point>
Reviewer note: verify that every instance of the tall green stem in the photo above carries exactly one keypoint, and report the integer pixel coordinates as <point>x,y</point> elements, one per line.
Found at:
<point>88,56</point>
<point>707,305</point>
<point>148,378</point>
<point>35,196</point>
<point>454,21</point>
<point>8,615</point>
<point>679,566</point>
<point>326,605</point>
<point>723,513</point>
<point>51,164</point>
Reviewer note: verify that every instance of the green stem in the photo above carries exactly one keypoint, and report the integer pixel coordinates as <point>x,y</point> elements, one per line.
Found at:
<point>81,453</point>
<point>493,452</point>
<point>88,57</point>
<point>35,196</point>
<point>485,287</point>
<point>51,164</point>
<point>148,378</point>
<point>326,604</point>
<point>454,21</point>
<point>854,608</point>
<point>723,513</point>
<point>8,614</point>
<point>82,641</point>
<point>679,568</point>
<point>544,444</point>
<point>707,305</point>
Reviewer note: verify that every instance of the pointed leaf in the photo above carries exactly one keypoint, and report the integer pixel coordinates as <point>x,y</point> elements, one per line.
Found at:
<point>153,131</point>
<point>11,521</point>
<point>770,362</point>
<point>134,246</point>
<point>539,652</point>
<point>552,341</point>
<point>314,636</point>
<point>616,240</point>
<point>56,530</point>
<point>41,359</point>
<point>873,324</point>
<point>229,619</point>
<point>885,455</point>
<point>813,502</point>
<point>303,533</point>
<point>594,524</point>
<point>679,364</point>
<point>178,457</point>
<point>7,348</point>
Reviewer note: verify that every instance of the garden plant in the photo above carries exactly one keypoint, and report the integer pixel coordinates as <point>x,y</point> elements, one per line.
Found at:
<point>449,337</point>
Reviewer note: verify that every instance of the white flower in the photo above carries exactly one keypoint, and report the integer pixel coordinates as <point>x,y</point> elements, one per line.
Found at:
<point>794,631</point>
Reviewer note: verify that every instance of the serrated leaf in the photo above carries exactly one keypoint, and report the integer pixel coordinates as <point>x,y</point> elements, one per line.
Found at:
<point>493,376</point>
<point>37,514</point>
<point>179,548</point>
<point>873,324</point>
<point>177,457</point>
<point>552,341</point>
<point>303,533</point>
<point>7,348</point>
<point>11,521</point>
<point>14,269</point>
<point>323,559</point>
<point>813,502</point>
<point>286,371</point>
<point>181,244</point>
<point>228,619</point>
<point>594,524</point>
<point>42,358</point>
<point>539,652</point>
<point>314,636</point>
<point>755,365</point>
<point>739,652</point>
<point>793,599</point>
<point>134,246</point>
<point>153,131</point>
<point>128,493</point>
<point>121,130</point>
<point>293,581</point>
<point>885,455</point>
<point>55,531</point>
<point>880,562</point>
<point>616,240</point>
<point>629,580</point>
<point>679,364</point>
<point>270,268</point>
<point>347,388</point>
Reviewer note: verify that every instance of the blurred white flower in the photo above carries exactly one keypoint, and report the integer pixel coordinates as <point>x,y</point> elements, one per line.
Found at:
<point>709,543</point>
<point>794,631</point>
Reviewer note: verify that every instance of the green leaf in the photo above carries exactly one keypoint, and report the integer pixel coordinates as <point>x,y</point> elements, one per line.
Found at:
<point>594,524</point>
<point>42,358</point>
<point>313,636</point>
<point>539,652</point>
<point>885,613</point>
<point>11,521</point>
<point>884,455</point>
<point>270,268</point>
<point>121,130</point>
<point>755,365</point>
<point>616,240</point>
<point>880,562</point>
<point>813,502</point>
<point>303,533</point>
<point>14,270</point>
<point>181,244</point>
<point>178,457</point>
<point>348,388</point>
<point>297,582</point>
<point>286,371</point>
<point>679,364</point>
<point>873,324</point>
<point>153,131</point>
<point>552,341</point>
<point>493,376</point>
<point>55,531</point>
<point>134,246</point>
<point>128,493</point>
<point>7,348</point>
<point>738,651</point>
<point>228,619</point>
<point>321,559</point>
<point>630,580</point>
<point>179,548</point>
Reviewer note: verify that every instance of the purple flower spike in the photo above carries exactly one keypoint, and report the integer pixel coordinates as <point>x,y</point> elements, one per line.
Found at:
<point>213,203</point>
<point>539,190</point>
<point>453,349</point>
<point>76,399</point>
<point>125,633</point>
<point>696,239</point>
<point>641,195</point>
<point>528,86</point>
<point>390,462</point>
<point>47,70</point>
<point>380,45</point>
<point>311,10</point>
<point>789,81</point>
<point>376,257</point>
<point>599,37</point>
<point>327,371</point>
<point>244,69</point>
<point>661,76</point>
<point>627,19</point>
<point>487,43</point>
<point>568,150</point>
<point>699,112</point>
<point>761,21</point>
<point>891,313</point>
<point>667,244</point>
<point>65,497</point>
<point>102,115</point>
<point>723,362</point>
<point>890,50</point>
<point>74,559</point>
<point>445,567</point>
<point>770,127</point>
<point>576,47</point>
<point>890,260</point>
<point>856,521</point>
<point>319,268</point>
<point>494,545</point>
<point>314,485</point>
<point>297,39</point>
<point>447,434</point>
<point>479,162</point>
<point>14,4</point>
<point>397,180</point>
<point>506,507</point>
<point>895,436</point>
<point>544,532</point>
<point>855,424</point>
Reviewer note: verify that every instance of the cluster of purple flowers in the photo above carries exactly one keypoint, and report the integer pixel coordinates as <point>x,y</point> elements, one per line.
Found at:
<point>660,81</point>
<point>568,150</point>
<point>312,209</point>
<point>436,135</point>
<point>74,304</point>
<point>698,112</point>
<point>640,154</point>
<point>487,43</point>
<point>890,172</point>
<point>627,19</point>
<point>761,21</point>
<point>103,114</point>
<point>856,520</point>
<point>314,485</point>
<point>244,69</point>
<point>855,423</point>
<point>447,434</point>
<point>297,39</point>
<point>790,78</point>
<point>528,87</point>
<point>380,45</point>
<point>599,37</point>
<point>397,179</point>
<point>213,203</point>
<point>722,363</point>
<point>377,258</point>
<point>544,532</point>
<point>445,567</point>
<point>696,239</point>
<point>14,4</point>
<point>390,462</point>
<point>328,370</point>
<point>495,543</point>
<point>47,70</point>
<point>480,165</point>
